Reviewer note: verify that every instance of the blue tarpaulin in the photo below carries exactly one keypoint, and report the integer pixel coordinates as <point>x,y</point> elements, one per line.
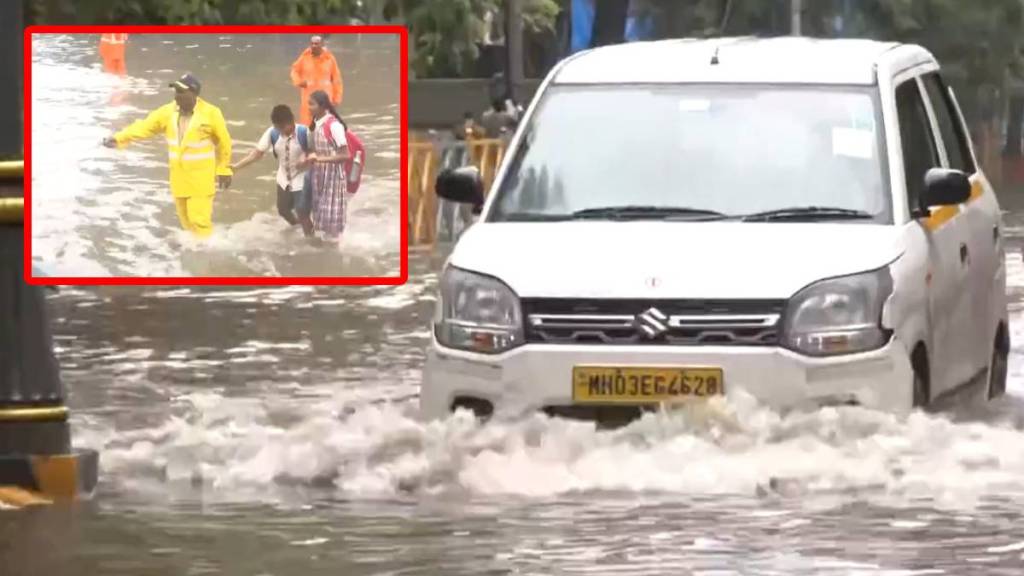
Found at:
<point>639,24</point>
<point>582,25</point>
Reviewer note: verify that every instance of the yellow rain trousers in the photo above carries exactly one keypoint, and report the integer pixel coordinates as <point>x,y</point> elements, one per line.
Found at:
<point>203,154</point>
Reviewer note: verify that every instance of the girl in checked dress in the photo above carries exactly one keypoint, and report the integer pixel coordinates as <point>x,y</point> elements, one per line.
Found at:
<point>327,176</point>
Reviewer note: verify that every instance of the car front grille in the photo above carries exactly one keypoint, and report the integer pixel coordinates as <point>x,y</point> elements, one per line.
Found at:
<point>653,322</point>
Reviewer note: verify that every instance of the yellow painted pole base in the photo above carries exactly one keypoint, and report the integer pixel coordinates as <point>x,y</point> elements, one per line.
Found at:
<point>45,479</point>
<point>16,497</point>
<point>12,210</point>
<point>12,169</point>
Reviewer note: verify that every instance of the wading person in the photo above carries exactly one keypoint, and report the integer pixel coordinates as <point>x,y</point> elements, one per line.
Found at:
<point>112,52</point>
<point>198,150</point>
<point>316,69</point>
<point>327,174</point>
<point>290,144</point>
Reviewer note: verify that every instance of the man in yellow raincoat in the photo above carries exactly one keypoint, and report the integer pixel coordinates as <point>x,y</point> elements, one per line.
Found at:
<point>198,150</point>
<point>316,69</point>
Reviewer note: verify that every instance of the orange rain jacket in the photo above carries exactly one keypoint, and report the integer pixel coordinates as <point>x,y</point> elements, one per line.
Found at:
<point>320,73</point>
<point>112,52</point>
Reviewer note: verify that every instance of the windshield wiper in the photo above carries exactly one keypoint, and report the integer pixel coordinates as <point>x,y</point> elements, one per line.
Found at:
<point>807,213</point>
<point>636,212</point>
<point>534,217</point>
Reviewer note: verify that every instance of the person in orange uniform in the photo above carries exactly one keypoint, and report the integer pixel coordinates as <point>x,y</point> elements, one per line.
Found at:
<point>112,52</point>
<point>198,147</point>
<point>316,69</point>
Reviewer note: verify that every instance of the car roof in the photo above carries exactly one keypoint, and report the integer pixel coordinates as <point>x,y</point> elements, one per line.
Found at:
<point>791,59</point>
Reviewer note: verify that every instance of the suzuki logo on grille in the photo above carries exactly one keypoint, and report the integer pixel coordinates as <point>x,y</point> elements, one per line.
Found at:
<point>651,323</point>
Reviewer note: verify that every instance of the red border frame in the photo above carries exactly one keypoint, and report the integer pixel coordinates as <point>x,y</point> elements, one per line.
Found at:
<point>403,271</point>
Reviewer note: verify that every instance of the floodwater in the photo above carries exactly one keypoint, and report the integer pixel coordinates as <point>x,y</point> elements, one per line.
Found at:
<point>101,212</point>
<point>273,431</point>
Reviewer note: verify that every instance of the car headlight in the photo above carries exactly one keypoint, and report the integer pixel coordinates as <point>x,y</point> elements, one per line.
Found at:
<point>839,315</point>
<point>477,313</point>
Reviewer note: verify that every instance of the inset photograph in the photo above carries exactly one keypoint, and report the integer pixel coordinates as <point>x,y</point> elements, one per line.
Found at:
<point>208,154</point>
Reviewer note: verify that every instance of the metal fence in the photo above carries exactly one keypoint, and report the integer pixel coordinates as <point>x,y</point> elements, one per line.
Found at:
<point>433,220</point>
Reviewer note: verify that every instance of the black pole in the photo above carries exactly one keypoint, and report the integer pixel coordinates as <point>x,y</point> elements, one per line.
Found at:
<point>513,48</point>
<point>33,419</point>
<point>10,69</point>
<point>35,437</point>
<point>609,22</point>
<point>29,377</point>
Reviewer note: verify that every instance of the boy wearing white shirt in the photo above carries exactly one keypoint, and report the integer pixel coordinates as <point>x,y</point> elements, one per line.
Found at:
<point>291,145</point>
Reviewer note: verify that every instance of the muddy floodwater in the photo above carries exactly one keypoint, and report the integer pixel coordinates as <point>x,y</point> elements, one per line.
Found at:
<point>273,431</point>
<point>101,212</point>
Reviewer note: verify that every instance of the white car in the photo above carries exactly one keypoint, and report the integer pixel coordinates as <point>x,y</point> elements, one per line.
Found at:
<point>803,220</point>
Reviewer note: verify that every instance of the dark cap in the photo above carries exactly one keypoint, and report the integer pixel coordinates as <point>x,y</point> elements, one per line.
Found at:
<point>186,82</point>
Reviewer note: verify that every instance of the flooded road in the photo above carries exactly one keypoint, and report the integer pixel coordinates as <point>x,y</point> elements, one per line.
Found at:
<point>272,431</point>
<point>101,212</point>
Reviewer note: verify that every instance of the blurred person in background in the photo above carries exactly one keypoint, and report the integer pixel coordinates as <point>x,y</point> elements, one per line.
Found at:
<point>316,69</point>
<point>112,52</point>
<point>500,120</point>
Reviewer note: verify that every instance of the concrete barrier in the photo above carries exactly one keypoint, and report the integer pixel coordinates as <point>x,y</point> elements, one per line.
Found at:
<point>440,103</point>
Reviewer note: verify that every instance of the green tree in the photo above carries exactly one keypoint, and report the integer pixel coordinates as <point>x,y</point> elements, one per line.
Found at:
<point>978,43</point>
<point>444,34</point>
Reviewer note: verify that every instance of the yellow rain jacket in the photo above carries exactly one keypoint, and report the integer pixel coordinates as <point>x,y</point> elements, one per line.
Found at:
<point>204,152</point>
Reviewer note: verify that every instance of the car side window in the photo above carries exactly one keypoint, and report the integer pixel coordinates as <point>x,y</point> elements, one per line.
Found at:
<point>919,153</point>
<point>953,138</point>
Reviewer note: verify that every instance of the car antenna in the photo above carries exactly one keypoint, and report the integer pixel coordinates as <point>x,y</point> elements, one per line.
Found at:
<point>714,57</point>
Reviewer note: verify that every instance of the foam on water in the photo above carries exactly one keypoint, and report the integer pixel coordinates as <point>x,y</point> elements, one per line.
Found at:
<point>730,448</point>
<point>363,438</point>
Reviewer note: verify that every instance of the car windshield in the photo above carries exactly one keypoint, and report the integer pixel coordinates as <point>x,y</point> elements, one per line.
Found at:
<point>710,151</point>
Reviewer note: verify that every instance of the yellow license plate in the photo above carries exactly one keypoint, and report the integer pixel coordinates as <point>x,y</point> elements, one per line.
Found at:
<point>639,385</point>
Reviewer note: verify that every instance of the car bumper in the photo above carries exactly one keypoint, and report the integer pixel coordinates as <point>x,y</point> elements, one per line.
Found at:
<point>539,376</point>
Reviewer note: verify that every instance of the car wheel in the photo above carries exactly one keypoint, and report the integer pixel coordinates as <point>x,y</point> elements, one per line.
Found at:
<point>998,367</point>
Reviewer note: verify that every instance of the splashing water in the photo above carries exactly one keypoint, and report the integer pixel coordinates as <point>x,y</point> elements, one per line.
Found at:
<point>731,447</point>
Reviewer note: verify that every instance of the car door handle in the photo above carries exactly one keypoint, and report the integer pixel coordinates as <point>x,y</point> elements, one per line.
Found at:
<point>995,234</point>
<point>963,253</point>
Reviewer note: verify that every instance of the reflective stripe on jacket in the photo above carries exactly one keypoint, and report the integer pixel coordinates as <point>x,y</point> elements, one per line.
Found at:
<point>204,152</point>
<point>114,38</point>
<point>112,45</point>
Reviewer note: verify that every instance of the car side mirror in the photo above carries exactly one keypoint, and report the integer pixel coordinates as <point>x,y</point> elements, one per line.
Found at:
<point>944,187</point>
<point>461,185</point>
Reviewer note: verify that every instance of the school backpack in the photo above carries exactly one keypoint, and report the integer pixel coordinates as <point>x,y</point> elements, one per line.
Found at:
<point>356,162</point>
<point>303,133</point>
